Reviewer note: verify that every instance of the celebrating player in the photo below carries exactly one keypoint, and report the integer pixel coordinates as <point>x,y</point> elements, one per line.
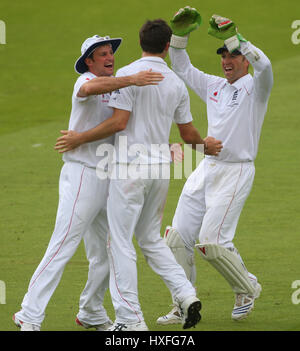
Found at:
<point>214,195</point>
<point>135,205</point>
<point>82,195</point>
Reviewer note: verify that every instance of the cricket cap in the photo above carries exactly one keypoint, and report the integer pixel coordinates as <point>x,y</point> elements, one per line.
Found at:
<point>89,45</point>
<point>224,48</point>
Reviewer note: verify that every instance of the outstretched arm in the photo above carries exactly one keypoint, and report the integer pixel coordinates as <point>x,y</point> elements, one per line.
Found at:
<point>71,139</point>
<point>102,85</point>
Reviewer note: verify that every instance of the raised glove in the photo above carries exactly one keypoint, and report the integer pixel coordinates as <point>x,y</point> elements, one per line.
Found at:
<point>223,28</point>
<point>183,23</point>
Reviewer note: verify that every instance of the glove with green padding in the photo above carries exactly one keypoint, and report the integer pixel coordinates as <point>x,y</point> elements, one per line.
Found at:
<point>223,28</point>
<point>183,23</point>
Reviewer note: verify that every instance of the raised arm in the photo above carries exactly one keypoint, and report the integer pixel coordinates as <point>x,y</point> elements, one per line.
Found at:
<point>192,77</point>
<point>225,29</point>
<point>263,75</point>
<point>183,23</point>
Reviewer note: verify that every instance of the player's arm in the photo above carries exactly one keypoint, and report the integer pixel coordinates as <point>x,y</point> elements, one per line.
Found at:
<point>225,29</point>
<point>188,132</point>
<point>102,85</point>
<point>190,135</point>
<point>71,139</point>
<point>263,74</point>
<point>185,21</point>
<point>192,76</point>
<point>177,154</point>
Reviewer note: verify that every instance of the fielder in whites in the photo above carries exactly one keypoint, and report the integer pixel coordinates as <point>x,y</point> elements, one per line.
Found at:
<point>82,195</point>
<point>215,193</point>
<point>135,203</point>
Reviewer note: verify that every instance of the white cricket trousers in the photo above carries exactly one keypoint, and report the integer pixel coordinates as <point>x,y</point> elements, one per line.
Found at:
<point>91,310</point>
<point>135,206</point>
<point>81,208</point>
<point>211,202</point>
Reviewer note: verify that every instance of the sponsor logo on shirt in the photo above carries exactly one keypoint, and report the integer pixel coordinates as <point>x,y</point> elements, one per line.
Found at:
<point>214,98</point>
<point>105,98</point>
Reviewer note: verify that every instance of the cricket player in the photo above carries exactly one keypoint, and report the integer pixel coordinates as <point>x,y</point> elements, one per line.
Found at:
<point>82,195</point>
<point>214,195</point>
<point>135,203</point>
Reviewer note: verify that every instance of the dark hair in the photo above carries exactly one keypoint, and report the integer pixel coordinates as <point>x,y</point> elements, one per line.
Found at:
<point>154,36</point>
<point>91,55</point>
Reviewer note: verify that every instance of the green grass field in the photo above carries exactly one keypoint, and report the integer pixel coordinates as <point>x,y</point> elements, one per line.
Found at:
<point>36,82</point>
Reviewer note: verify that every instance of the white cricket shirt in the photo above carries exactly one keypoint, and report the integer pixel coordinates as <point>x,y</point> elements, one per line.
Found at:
<point>88,112</point>
<point>153,109</point>
<point>235,112</point>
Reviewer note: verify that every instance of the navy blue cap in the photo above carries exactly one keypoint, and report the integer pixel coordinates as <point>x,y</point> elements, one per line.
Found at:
<point>224,48</point>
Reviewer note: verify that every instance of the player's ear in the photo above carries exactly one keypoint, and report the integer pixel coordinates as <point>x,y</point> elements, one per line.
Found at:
<point>88,62</point>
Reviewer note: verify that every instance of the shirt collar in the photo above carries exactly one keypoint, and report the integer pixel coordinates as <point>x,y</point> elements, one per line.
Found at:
<point>153,59</point>
<point>245,80</point>
<point>88,73</point>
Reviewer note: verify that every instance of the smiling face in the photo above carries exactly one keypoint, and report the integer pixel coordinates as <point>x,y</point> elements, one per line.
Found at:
<point>101,61</point>
<point>234,66</point>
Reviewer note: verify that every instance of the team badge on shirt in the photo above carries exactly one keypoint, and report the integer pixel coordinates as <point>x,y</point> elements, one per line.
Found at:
<point>234,99</point>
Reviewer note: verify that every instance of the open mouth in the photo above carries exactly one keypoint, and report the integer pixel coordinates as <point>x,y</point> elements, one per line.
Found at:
<point>108,65</point>
<point>228,69</point>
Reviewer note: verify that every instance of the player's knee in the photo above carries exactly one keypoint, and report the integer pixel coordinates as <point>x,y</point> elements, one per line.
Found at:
<point>187,236</point>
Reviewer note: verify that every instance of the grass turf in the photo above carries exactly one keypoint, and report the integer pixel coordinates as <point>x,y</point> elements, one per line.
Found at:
<point>37,76</point>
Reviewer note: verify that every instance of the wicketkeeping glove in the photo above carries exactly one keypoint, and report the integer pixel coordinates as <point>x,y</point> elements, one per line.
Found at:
<point>223,28</point>
<point>183,23</point>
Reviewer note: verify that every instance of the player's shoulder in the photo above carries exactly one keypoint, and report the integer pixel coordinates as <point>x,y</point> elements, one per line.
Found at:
<point>127,69</point>
<point>86,76</point>
<point>215,81</point>
<point>82,79</point>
